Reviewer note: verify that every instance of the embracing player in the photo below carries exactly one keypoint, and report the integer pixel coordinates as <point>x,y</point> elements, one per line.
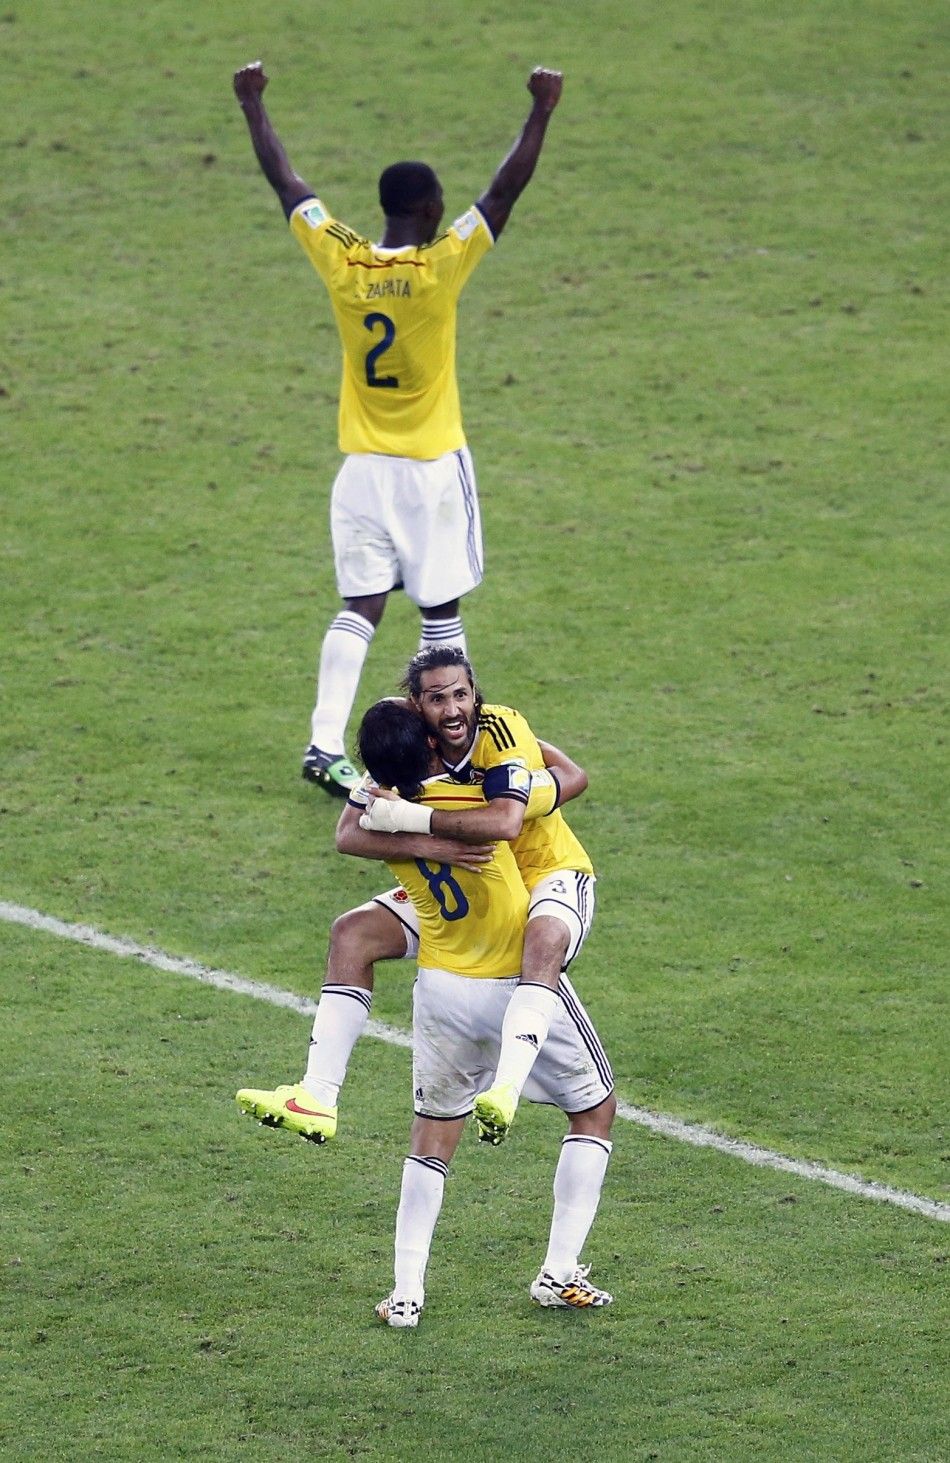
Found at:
<point>471,926</point>
<point>490,747</point>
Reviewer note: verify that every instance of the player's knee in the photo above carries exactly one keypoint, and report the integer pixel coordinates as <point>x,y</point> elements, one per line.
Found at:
<point>598,1121</point>
<point>357,939</point>
<point>546,942</point>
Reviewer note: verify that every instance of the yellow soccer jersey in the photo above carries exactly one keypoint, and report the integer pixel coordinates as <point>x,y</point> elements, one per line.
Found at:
<point>395,311</point>
<point>545,844</point>
<point>470,924</point>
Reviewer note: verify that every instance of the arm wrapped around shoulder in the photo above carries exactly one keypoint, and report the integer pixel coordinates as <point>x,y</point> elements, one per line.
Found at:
<point>395,815</point>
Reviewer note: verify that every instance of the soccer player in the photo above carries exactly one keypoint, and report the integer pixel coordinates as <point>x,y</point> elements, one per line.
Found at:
<point>490,746</point>
<point>470,948</point>
<point>479,743</point>
<point>404,507</point>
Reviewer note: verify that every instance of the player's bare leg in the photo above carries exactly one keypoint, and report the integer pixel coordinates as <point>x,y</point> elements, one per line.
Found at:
<point>309,1107</point>
<point>357,939</point>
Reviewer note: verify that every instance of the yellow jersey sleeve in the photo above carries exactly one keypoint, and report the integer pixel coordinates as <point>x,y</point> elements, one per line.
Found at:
<point>546,842</point>
<point>542,796</point>
<point>395,312</point>
<point>470,923</point>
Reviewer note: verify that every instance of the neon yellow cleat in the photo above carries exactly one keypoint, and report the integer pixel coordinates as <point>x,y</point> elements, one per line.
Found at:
<point>289,1107</point>
<point>494,1112</point>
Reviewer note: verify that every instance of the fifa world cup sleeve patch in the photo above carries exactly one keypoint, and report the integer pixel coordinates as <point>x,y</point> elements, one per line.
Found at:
<point>360,794</point>
<point>510,780</point>
<point>314,213</point>
<point>467,224</point>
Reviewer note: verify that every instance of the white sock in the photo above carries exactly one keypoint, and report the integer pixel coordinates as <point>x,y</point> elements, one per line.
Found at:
<point>342,1013</point>
<point>341,663</point>
<point>578,1179</point>
<point>527,1018</point>
<point>420,1199</point>
<point>442,632</point>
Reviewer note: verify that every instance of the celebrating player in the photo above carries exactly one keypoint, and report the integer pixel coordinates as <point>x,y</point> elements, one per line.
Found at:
<point>404,508</point>
<point>470,947</point>
<point>491,747</point>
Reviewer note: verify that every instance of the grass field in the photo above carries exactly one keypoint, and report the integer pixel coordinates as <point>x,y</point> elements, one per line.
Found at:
<point>704,382</point>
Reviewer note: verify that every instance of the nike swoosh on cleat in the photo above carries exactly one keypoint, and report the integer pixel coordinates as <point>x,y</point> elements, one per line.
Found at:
<point>308,1112</point>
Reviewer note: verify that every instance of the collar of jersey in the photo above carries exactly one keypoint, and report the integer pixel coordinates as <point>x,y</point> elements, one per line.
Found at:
<point>438,777</point>
<point>461,771</point>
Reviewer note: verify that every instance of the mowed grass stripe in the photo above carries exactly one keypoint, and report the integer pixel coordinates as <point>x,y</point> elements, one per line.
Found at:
<point>662,1123</point>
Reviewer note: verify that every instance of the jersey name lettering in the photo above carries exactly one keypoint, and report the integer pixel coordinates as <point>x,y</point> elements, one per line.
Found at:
<point>380,287</point>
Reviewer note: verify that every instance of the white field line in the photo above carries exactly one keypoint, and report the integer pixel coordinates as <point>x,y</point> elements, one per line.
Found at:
<point>668,1127</point>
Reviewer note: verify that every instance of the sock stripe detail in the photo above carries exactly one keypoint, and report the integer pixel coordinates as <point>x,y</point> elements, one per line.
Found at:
<point>355,993</point>
<point>588,1138</point>
<point>441,632</point>
<point>435,1164</point>
<point>349,623</point>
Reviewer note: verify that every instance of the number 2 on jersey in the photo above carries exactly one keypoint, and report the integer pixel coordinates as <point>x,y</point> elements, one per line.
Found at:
<point>382,345</point>
<point>443,887</point>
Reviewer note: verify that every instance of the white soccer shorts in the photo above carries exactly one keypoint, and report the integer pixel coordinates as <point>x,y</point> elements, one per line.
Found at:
<point>456,1039</point>
<point>397,901</point>
<point>568,895</point>
<point>397,521</point>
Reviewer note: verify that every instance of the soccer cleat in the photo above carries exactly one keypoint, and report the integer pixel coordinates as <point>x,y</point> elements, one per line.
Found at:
<point>329,770</point>
<point>289,1107</point>
<point>494,1112</point>
<point>402,1313</point>
<point>575,1292</point>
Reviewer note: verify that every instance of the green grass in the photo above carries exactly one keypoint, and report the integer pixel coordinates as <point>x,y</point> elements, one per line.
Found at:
<point>191,1285</point>
<point>703,379</point>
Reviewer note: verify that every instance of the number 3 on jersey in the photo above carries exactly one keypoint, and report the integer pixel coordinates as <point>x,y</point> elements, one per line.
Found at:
<point>444,889</point>
<point>382,345</point>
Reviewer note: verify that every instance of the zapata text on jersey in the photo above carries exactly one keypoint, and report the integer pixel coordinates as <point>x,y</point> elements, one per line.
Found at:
<point>381,287</point>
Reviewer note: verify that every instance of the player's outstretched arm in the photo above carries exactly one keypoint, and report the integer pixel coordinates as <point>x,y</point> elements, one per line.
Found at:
<point>361,842</point>
<point>515,172</point>
<point>249,84</point>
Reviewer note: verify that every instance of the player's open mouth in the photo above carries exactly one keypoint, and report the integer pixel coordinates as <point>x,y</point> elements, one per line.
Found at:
<point>455,727</point>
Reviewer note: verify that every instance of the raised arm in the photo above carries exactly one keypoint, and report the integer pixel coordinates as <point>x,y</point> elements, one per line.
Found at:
<point>515,172</point>
<point>249,84</point>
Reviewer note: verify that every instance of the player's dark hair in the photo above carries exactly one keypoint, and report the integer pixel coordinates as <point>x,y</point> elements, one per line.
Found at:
<point>404,186</point>
<point>394,746</point>
<point>437,658</point>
